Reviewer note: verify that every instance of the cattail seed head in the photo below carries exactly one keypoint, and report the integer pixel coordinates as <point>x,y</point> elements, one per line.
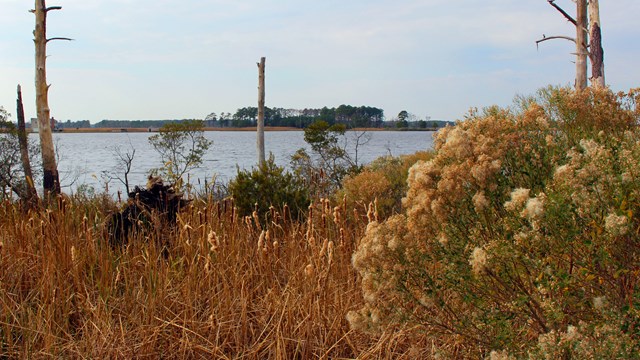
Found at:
<point>370,215</point>
<point>213,241</point>
<point>336,215</point>
<point>323,250</point>
<point>330,249</point>
<point>308,270</point>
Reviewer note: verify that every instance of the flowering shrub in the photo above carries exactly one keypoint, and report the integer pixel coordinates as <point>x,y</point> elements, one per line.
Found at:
<point>519,236</point>
<point>383,182</point>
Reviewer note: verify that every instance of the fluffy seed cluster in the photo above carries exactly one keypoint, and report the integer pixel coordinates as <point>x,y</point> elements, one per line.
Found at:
<point>503,233</point>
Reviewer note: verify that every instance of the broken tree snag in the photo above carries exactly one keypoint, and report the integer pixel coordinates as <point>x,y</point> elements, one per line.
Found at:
<point>260,125</point>
<point>596,53</point>
<point>31,199</point>
<point>581,45</point>
<point>51,180</point>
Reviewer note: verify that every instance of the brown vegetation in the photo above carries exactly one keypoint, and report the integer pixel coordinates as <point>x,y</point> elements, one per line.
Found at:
<point>228,288</point>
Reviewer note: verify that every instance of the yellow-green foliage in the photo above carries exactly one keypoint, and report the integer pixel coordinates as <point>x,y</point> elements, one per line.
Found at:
<point>519,236</point>
<point>383,182</point>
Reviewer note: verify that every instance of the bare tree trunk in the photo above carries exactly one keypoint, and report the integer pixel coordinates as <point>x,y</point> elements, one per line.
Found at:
<point>261,92</point>
<point>31,195</point>
<point>51,182</point>
<point>595,45</point>
<point>581,45</point>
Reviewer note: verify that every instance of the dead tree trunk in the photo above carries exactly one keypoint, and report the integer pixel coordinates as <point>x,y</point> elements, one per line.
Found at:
<point>261,93</point>
<point>581,40</point>
<point>581,45</point>
<point>51,181</point>
<point>596,52</point>
<point>31,195</point>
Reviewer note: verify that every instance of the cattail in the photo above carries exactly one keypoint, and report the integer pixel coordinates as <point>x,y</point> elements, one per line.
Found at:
<point>213,241</point>
<point>336,215</point>
<point>308,270</point>
<point>272,212</point>
<point>330,249</point>
<point>73,254</point>
<point>342,239</point>
<point>256,218</point>
<point>261,240</point>
<point>370,215</point>
<point>325,245</point>
<point>375,209</point>
<point>285,212</point>
<point>60,202</point>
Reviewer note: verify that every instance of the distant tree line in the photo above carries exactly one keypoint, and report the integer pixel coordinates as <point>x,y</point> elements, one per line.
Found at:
<point>350,116</point>
<point>133,123</point>
<point>72,124</point>
<point>347,115</point>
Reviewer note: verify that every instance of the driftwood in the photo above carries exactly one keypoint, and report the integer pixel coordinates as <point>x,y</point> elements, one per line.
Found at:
<point>148,211</point>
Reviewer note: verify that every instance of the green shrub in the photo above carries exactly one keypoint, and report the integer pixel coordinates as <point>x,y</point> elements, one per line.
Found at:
<point>519,234</point>
<point>265,186</point>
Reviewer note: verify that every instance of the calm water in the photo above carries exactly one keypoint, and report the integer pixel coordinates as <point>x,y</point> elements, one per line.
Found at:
<point>84,157</point>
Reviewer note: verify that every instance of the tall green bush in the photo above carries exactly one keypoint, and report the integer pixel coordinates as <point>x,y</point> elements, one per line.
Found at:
<point>519,236</point>
<point>268,185</point>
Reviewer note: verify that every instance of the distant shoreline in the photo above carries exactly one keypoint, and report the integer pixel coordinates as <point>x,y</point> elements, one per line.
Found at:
<point>267,128</point>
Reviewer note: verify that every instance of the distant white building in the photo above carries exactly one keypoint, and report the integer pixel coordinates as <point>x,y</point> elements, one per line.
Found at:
<point>34,124</point>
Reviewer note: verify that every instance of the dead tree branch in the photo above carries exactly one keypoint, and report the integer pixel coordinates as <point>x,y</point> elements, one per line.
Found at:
<point>545,38</point>
<point>59,38</point>
<point>564,13</point>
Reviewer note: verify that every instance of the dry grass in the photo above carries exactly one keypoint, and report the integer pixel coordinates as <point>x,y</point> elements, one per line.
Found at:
<point>227,289</point>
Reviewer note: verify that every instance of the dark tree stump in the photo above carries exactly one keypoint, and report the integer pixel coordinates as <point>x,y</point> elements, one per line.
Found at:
<point>154,209</point>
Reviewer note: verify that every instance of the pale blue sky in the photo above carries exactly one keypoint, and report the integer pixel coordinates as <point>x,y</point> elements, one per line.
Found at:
<point>166,59</point>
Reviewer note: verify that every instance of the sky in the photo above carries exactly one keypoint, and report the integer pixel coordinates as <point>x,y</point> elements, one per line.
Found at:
<point>175,59</point>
